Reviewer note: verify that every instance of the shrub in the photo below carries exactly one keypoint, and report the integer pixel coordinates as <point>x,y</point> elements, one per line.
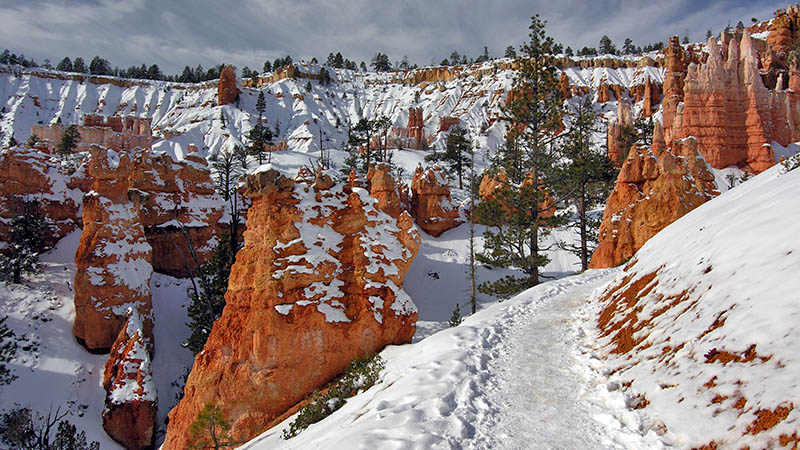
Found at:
<point>360,374</point>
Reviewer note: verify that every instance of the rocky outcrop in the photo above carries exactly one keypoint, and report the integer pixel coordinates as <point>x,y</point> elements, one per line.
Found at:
<point>724,104</point>
<point>491,183</point>
<point>431,205</point>
<point>413,135</point>
<point>445,123</point>
<point>383,189</point>
<point>180,197</point>
<point>317,283</point>
<point>227,92</point>
<point>131,406</point>
<point>616,128</point>
<point>651,192</point>
<point>32,175</point>
<point>114,132</point>
<point>113,257</point>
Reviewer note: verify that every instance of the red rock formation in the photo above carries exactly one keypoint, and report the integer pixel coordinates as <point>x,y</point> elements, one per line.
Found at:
<point>416,128</point>
<point>623,120</point>
<point>114,132</point>
<point>490,184</point>
<point>431,205</point>
<point>29,174</point>
<point>565,88</point>
<point>317,284</point>
<point>782,30</point>
<point>180,195</point>
<point>651,192</point>
<point>726,106</point>
<point>651,98</point>
<point>113,258</point>
<point>676,62</point>
<point>383,188</point>
<point>227,92</point>
<point>445,123</point>
<point>131,406</point>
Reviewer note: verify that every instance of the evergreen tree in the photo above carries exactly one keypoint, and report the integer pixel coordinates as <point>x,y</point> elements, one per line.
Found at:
<point>685,39</point>
<point>100,66</point>
<point>207,294</point>
<point>709,33</point>
<point>534,113</point>
<point>186,76</point>
<point>8,351</point>
<point>568,51</point>
<point>404,64</point>
<point>69,140</point>
<point>361,134</point>
<point>584,180</point>
<point>363,66</point>
<point>261,105</point>
<point>606,46</point>
<point>381,126</point>
<point>628,48</point>
<point>267,67</point>
<point>457,154</point>
<point>258,137</point>
<point>210,430</point>
<point>29,230</point>
<point>640,133</point>
<point>78,65</point>
<point>5,57</point>
<point>338,61</point>
<point>380,63</point>
<point>154,73</point>
<point>330,60</point>
<point>65,65</point>
<point>510,52</point>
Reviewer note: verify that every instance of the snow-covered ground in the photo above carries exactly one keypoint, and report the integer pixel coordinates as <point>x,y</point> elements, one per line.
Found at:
<point>512,376</point>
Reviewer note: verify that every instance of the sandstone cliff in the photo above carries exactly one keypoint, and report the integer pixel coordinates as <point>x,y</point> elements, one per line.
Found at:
<point>431,206</point>
<point>131,406</point>
<point>318,283</point>
<point>651,192</point>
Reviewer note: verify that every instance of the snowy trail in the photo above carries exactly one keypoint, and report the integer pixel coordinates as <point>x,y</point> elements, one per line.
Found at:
<point>544,393</point>
<point>512,376</point>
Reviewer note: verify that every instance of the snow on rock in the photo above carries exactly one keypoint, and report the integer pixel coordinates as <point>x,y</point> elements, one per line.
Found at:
<point>29,175</point>
<point>700,328</point>
<point>318,283</point>
<point>431,205</point>
<point>652,191</point>
<point>113,259</point>
<point>131,406</point>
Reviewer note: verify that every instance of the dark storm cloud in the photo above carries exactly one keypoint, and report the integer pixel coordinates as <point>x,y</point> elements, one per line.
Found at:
<point>246,32</point>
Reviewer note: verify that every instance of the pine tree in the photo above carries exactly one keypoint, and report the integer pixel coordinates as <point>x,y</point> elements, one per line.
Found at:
<point>261,105</point>
<point>78,65</point>
<point>510,52</point>
<point>65,65</point>
<point>709,33</point>
<point>606,47</point>
<point>258,137</point>
<point>207,294</point>
<point>381,63</point>
<point>534,113</point>
<point>361,134</point>
<point>210,430</point>
<point>69,140</point>
<point>29,231</point>
<point>628,47</point>
<point>585,179</point>
<point>457,154</point>
<point>267,67</point>
<point>8,351</point>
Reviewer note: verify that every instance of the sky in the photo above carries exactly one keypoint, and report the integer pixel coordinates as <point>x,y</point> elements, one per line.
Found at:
<point>176,33</point>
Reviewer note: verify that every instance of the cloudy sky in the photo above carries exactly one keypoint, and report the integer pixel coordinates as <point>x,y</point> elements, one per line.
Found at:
<point>175,33</point>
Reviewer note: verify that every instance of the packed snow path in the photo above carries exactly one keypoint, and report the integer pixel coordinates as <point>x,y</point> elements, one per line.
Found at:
<point>545,387</point>
<point>513,376</point>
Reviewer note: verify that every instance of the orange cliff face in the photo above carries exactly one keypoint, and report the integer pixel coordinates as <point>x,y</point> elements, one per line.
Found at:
<point>431,205</point>
<point>227,92</point>
<point>318,283</point>
<point>651,192</point>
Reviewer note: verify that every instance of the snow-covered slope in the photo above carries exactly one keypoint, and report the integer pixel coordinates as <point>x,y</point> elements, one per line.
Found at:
<point>702,324</point>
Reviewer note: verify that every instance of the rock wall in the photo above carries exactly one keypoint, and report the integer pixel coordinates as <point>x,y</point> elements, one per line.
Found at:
<point>724,103</point>
<point>113,258</point>
<point>431,205</point>
<point>27,175</point>
<point>131,405</point>
<point>318,283</point>
<point>227,92</point>
<point>616,128</point>
<point>651,192</point>
<point>114,132</point>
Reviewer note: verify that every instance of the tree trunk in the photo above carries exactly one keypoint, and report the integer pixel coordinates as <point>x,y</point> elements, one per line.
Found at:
<point>473,297</point>
<point>582,219</point>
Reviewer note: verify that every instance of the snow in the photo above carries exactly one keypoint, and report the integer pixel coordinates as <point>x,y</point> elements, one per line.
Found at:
<point>461,388</point>
<point>733,258</point>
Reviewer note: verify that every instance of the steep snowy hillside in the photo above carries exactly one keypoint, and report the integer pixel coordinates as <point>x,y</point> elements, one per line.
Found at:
<point>701,327</point>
